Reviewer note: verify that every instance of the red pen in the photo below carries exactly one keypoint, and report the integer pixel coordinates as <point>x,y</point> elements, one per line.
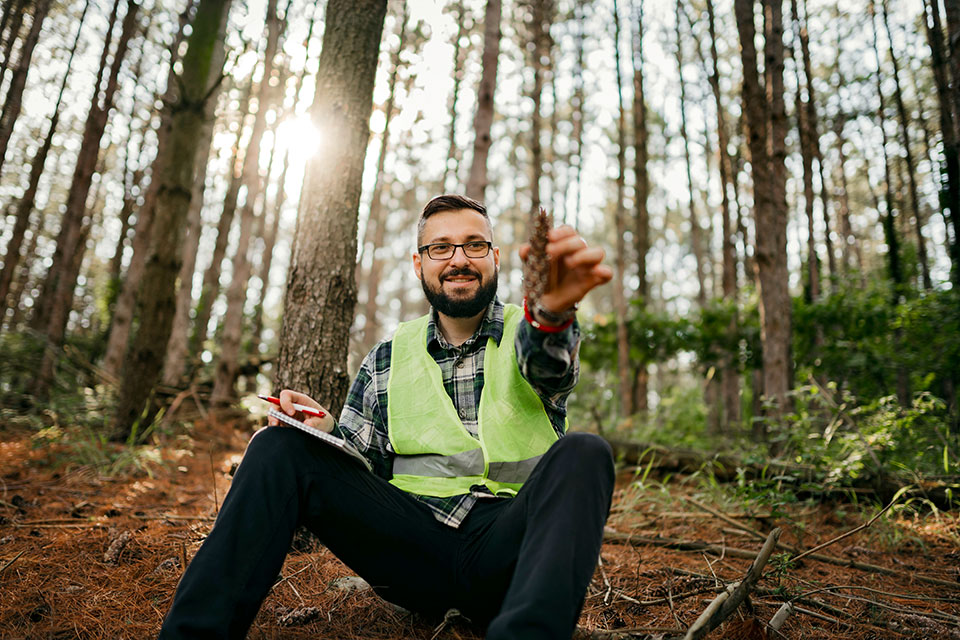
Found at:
<point>310,411</point>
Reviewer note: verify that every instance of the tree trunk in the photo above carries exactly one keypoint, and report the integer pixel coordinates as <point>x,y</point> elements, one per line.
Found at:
<point>477,182</point>
<point>579,96</point>
<point>950,195</point>
<point>122,317</point>
<point>58,292</point>
<point>13,12</point>
<point>321,286</point>
<point>211,277</point>
<point>232,326</point>
<point>156,302</point>
<point>11,106</point>
<point>537,36</point>
<point>452,164</point>
<point>729,375</point>
<point>625,380</point>
<point>764,123</point>
<point>25,205</point>
<point>641,223</point>
<point>376,222</point>
<point>908,156</point>
<point>696,231</point>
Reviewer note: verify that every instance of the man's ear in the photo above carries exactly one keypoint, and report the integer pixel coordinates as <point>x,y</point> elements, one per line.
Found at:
<point>496,257</point>
<point>417,267</point>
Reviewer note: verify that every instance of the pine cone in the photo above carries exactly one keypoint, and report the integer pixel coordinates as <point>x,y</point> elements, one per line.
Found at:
<point>537,266</point>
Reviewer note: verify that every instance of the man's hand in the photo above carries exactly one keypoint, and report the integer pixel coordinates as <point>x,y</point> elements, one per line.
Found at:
<point>288,398</point>
<point>575,269</point>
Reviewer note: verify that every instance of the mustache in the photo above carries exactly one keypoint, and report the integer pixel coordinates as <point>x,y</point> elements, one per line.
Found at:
<point>460,271</point>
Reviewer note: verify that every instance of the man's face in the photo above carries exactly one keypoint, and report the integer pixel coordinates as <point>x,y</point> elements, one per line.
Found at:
<point>459,287</point>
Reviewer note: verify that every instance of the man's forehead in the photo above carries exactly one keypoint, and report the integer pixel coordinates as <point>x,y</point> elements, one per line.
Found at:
<point>460,222</point>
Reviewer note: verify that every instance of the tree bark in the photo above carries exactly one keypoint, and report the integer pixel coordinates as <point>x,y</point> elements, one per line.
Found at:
<point>641,222</point>
<point>579,96</point>
<point>121,319</point>
<point>26,203</point>
<point>537,36</point>
<point>321,285</point>
<point>483,121</point>
<point>13,17</point>
<point>58,292</point>
<point>452,164</point>
<point>950,195</point>
<point>764,117</point>
<point>14,99</point>
<point>232,326</point>
<point>156,302</point>
<point>904,119</point>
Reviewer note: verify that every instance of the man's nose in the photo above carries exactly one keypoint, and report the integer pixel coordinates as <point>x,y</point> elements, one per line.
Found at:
<point>459,256</point>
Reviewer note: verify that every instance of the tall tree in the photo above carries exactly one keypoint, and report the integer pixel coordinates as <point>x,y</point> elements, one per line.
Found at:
<point>26,202</point>
<point>907,155</point>
<point>14,99</point>
<point>58,290</point>
<point>483,121</point>
<point>10,23</point>
<point>156,302</point>
<point>764,120</point>
<point>376,231</point>
<point>619,294</point>
<point>452,164</point>
<point>232,325</point>
<point>641,220</point>
<point>539,10</point>
<point>321,285</point>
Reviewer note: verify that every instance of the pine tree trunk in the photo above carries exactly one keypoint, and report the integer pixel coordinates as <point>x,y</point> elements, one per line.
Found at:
<point>156,302</point>
<point>121,319</point>
<point>376,222</point>
<point>321,286</point>
<point>729,375</point>
<point>950,195</point>
<point>211,277</point>
<point>765,125</point>
<point>625,380</point>
<point>232,327</point>
<point>14,99</point>
<point>641,223</point>
<point>452,164</point>
<point>13,13</point>
<point>579,96</point>
<point>483,121</point>
<point>28,199</point>
<point>908,155</point>
<point>536,149</point>
<point>58,292</point>
<point>812,285</point>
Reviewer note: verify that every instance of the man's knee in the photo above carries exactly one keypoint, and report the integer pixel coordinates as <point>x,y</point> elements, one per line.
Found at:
<point>587,447</point>
<point>272,444</point>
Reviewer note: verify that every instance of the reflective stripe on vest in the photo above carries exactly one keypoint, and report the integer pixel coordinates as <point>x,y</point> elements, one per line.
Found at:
<point>436,455</point>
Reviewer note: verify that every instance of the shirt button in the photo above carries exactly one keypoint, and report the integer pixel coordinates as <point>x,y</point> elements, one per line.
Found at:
<point>463,414</point>
<point>460,364</point>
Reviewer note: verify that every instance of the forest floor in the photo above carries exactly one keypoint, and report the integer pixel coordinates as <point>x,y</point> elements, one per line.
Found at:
<point>84,555</point>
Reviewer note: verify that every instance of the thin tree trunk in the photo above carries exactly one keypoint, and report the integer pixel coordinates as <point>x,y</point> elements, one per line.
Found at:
<point>536,149</point>
<point>321,286</point>
<point>579,96</point>
<point>452,164</point>
<point>950,195</point>
<point>904,119</point>
<point>764,120</point>
<point>641,226</point>
<point>812,288</point>
<point>26,203</point>
<point>477,181</point>
<point>12,16</point>
<point>232,327</point>
<point>696,231</point>
<point>156,303</point>
<point>122,317</point>
<point>60,286</point>
<point>729,376</point>
<point>619,294</point>
<point>14,99</point>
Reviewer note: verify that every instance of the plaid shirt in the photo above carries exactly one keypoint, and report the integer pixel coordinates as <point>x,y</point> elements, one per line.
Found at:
<point>548,361</point>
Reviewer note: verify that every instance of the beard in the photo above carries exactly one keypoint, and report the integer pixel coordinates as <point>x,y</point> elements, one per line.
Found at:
<point>465,307</point>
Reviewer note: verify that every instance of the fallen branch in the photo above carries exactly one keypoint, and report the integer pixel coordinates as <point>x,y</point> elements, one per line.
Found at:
<point>730,600</point>
<point>11,561</point>
<point>854,530</point>
<point>627,633</point>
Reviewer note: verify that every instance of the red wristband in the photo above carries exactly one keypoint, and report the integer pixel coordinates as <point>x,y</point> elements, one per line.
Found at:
<point>546,328</point>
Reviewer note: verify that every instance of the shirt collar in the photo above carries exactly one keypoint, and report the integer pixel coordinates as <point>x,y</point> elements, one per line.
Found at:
<point>490,327</point>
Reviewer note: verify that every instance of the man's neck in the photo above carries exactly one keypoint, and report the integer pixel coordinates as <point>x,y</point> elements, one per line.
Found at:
<point>456,331</point>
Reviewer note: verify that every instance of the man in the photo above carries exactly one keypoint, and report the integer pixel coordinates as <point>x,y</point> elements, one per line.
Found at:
<point>477,500</point>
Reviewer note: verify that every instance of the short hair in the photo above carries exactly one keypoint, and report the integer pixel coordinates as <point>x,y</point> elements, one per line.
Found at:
<point>450,202</point>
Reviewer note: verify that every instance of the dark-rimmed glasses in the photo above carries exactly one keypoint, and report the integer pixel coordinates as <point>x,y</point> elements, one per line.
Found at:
<point>445,250</point>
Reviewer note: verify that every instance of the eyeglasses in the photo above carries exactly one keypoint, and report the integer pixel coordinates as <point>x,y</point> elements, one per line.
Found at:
<point>445,250</point>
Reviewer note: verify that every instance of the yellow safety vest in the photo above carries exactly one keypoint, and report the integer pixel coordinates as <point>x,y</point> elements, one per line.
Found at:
<point>436,455</point>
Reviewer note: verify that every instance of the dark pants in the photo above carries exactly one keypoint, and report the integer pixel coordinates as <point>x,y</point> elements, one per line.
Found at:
<point>521,564</point>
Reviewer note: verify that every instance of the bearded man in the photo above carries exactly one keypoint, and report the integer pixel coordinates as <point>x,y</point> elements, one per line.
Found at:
<point>479,500</point>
